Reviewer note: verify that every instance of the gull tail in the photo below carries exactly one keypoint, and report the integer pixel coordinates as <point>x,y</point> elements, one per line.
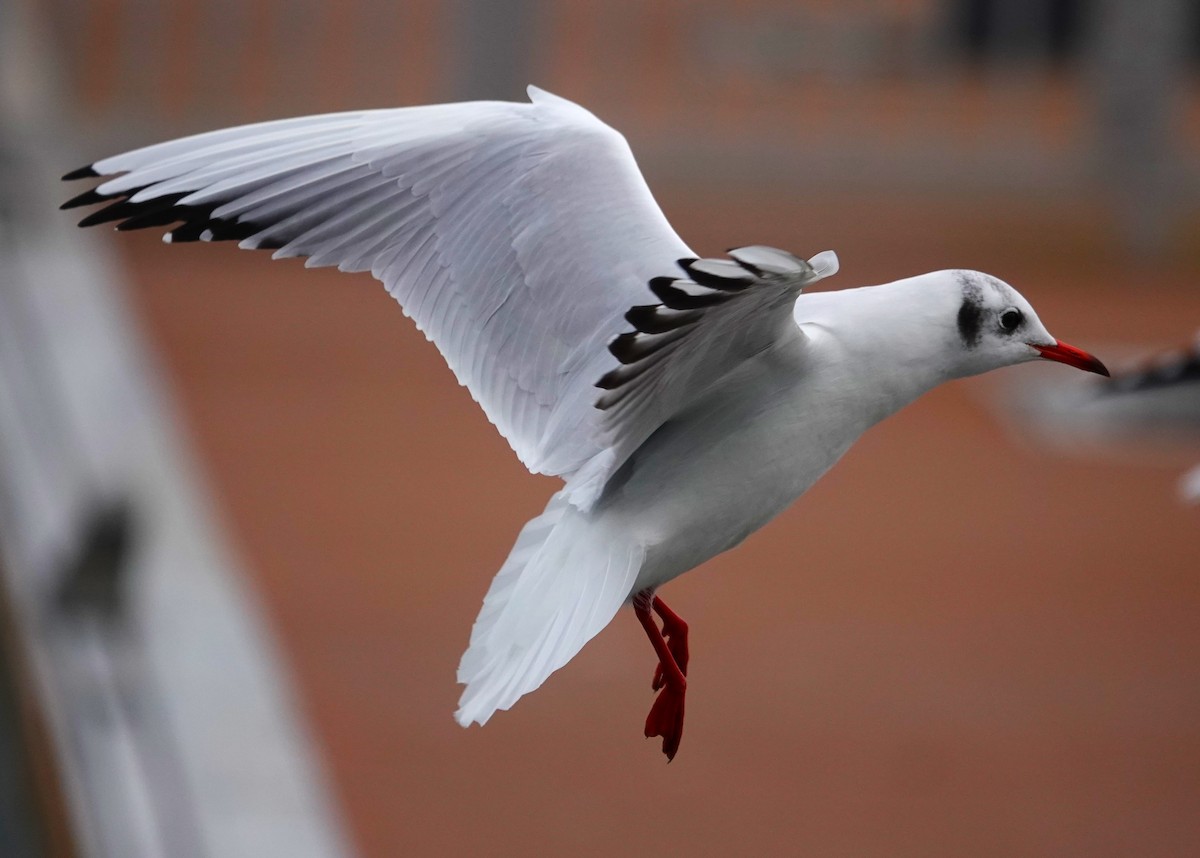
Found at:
<point>564,580</point>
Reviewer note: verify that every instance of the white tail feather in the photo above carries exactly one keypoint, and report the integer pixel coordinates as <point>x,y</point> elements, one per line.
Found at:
<point>564,580</point>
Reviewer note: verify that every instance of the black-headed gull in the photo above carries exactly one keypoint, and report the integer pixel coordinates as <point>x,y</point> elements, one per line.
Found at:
<point>684,402</point>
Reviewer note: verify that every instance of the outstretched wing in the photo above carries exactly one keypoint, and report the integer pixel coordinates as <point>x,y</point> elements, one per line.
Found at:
<point>515,235</point>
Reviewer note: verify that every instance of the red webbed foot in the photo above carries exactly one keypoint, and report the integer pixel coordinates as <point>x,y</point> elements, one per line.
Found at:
<point>666,715</point>
<point>666,718</point>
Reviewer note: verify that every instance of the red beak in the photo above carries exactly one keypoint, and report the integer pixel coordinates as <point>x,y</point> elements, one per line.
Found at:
<point>1071,356</point>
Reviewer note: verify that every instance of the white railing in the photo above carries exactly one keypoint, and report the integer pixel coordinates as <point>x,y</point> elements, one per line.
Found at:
<point>170,725</point>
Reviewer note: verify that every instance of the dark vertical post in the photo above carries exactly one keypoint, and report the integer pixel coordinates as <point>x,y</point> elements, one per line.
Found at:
<point>494,42</point>
<point>1137,64</point>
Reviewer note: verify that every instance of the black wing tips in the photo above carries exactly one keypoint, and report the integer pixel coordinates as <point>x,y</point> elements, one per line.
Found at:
<point>196,222</point>
<point>90,197</point>
<point>87,198</point>
<point>719,274</point>
<point>86,172</point>
<point>707,283</point>
<point>1175,368</point>
<point>675,294</point>
<point>657,319</point>
<point>684,300</point>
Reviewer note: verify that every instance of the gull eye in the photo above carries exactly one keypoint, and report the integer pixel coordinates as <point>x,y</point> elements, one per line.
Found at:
<point>1010,320</point>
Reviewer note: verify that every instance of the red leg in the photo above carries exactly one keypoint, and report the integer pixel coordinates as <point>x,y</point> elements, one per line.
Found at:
<point>675,631</point>
<point>666,715</point>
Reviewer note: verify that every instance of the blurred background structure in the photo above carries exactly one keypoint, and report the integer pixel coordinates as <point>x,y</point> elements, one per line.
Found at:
<point>246,516</point>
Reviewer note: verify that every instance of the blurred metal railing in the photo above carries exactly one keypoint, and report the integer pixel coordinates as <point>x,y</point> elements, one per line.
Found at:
<point>128,630</point>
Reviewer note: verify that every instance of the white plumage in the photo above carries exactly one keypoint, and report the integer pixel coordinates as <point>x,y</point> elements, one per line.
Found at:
<point>480,230</point>
<point>682,408</point>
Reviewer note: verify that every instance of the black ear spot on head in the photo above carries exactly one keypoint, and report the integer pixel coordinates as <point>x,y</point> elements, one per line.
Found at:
<point>970,322</point>
<point>970,314</point>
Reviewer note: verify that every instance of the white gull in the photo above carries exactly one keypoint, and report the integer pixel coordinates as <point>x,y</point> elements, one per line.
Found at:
<point>684,402</point>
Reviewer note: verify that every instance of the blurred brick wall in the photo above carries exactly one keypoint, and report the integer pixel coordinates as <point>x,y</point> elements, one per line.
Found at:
<point>813,91</point>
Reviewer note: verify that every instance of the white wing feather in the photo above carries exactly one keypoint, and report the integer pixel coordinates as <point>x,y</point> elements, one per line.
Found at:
<point>515,235</point>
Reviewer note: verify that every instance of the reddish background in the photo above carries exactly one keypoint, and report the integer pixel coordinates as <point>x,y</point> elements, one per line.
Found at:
<point>952,645</point>
<point>955,644</point>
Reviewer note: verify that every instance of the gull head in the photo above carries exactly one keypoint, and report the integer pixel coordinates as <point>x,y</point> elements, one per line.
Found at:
<point>994,326</point>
